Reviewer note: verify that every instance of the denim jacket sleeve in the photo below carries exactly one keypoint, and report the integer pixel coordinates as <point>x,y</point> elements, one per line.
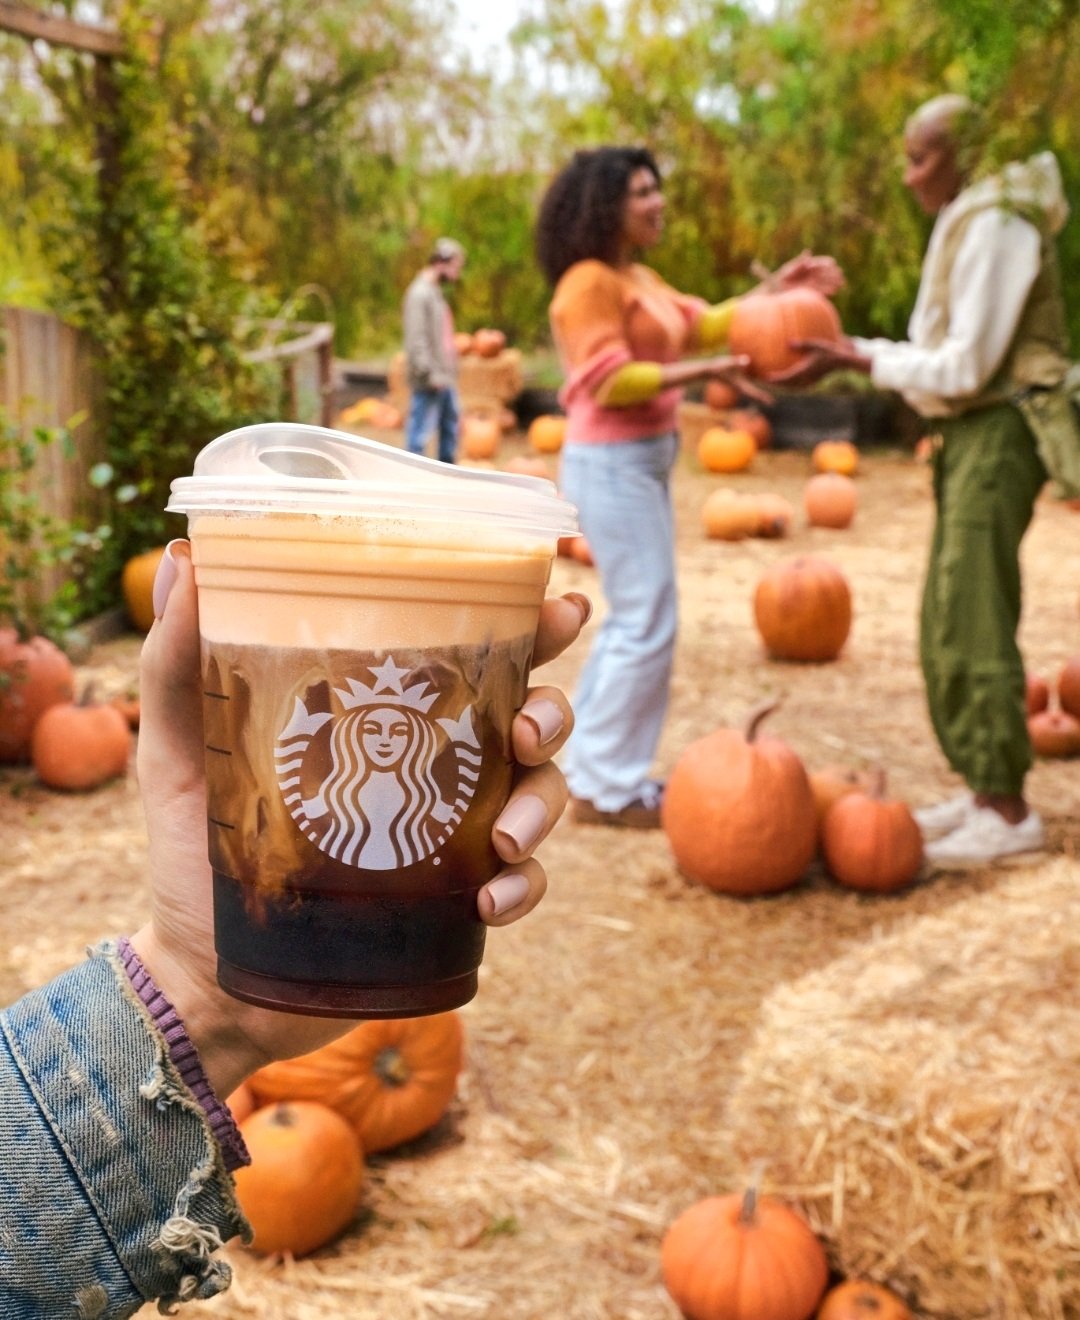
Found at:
<point>113,1190</point>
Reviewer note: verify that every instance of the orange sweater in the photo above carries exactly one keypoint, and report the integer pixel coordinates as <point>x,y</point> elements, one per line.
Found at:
<point>602,318</point>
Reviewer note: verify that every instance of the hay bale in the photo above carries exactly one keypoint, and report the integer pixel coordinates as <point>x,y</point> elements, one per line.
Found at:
<point>484,384</point>
<point>919,1096</point>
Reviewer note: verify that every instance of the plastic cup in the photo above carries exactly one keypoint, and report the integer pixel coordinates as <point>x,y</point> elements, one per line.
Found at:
<point>367,620</point>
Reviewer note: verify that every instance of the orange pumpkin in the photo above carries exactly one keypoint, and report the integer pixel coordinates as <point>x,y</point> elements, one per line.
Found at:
<point>79,747</point>
<point>832,782</point>
<point>480,437</point>
<point>1068,686</point>
<point>728,516</point>
<point>765,323</point>
<point>835,456</point>
<point>137,587</point>
<point>463,343</point>
<point>488,343</point>
<point>1054,733</point>
<point>525,466</point>
<point>749,419</point>
<point>1036,694</point>
<point>241,1102</point>
<point>744,1257</point>
<point>720,395</point>
<point>830,500</point>
<point>34,675</point>
<point>724,450</point>
<point>774,515</point>
<point>304,1181</point>
<point>738,812</point>
<point>391,1079</point>
<point>802,608</point>
<point>871,842</point>
<point>859,1299</point>
<point>546,434</point>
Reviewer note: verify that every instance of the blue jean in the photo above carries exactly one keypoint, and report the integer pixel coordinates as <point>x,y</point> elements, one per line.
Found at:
<point>113,1190</point>
<point>433,408</point>
<point>623,495</point>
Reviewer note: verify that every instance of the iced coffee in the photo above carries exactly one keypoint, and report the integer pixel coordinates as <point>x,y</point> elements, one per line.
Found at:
<point>367,622</point>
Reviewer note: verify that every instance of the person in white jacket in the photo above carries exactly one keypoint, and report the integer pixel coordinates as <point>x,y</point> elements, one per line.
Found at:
<point>987,326</point>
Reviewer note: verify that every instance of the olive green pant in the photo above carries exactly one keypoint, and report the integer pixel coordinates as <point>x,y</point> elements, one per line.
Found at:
<point>987,475</point>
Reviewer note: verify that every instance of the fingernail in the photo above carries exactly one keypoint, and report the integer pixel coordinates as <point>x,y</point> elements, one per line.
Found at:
<point>583,603</point>
<point>165,577</point>
<point>545,717</point>
<point>522,821</point>
<point>507,892</point>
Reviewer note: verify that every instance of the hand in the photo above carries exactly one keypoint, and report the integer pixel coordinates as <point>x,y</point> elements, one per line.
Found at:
<point>809,271</point>
<point>734,371</point>
<point>820,357</point>
<point>177,944</point>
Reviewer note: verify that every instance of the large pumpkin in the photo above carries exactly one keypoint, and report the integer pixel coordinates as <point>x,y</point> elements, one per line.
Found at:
<point>766,322</point>
<point>391,1079</point>
<point>137,587</point>
<point>871,842</point>
<point>859,1299</point>
<point>830,500</point>
<point>303,1184</point>
<point>80,746</point>
<point>743,1258</point>
<point>34,675</point>
<point>547,433</point>
<point>802,608</point>
<point>488,343</point>
<point>721,449</point>
<point>738,811</point>
<point>1068,686</point>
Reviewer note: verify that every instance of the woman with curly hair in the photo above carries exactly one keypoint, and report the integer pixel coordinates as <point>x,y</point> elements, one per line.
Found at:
<point>625,340</point>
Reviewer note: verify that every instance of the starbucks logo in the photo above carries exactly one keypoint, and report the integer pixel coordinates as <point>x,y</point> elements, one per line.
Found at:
<point>366,781</point>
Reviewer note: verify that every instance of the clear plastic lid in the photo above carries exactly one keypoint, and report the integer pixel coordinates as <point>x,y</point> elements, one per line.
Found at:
<point>287,467</point>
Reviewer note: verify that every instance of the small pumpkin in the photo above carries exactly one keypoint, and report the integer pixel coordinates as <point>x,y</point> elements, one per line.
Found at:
<point>720,395</point>
<point>524,466</point>
<point>749,419</point>
<point>137,587</point>
<point>835,456</point>
<point>871,842</point>
<point>463,343</point>
<point>34,675</point>
<point>832,782</point>
<point>1036,693</point>
<point>77,747</point>
<point>728,516</point>
<point>480,437</point>
<point>859,1299</point>
<point>391,1079</point>
<point>721,449</point>
<point>802,608</point>
<point>774,515</point>
<point>765,323</point>
<point>488,343</point>
<point>830,500</point>
<point>303,1184</point>
<point>745,1257</point>
<point>1068,686</point>
<point>546,434</point>
<point>1054,733</point>
<point>738,811</point>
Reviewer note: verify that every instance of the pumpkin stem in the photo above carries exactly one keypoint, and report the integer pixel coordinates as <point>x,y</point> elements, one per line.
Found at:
<point>390,1067</point>
<point>748,1212</point>
<point>758,714</point>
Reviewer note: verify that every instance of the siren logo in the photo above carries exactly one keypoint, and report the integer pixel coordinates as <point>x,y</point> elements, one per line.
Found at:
<point>361,781</point>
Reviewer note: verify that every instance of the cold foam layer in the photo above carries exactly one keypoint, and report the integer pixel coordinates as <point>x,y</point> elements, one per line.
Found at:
<point>339,582</point>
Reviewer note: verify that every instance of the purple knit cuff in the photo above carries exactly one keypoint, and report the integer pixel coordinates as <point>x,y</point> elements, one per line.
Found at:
<point>185,1056</point>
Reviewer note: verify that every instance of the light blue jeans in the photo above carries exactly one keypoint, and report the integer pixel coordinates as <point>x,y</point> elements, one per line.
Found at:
<point>623,495</point>
<point>433,408</point>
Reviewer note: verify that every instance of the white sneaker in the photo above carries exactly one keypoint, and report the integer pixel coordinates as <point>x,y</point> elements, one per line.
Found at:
<point>986,836</point>
<point>944,817</point>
